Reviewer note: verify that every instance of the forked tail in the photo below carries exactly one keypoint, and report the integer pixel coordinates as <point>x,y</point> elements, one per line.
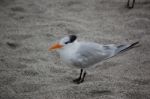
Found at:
<point>125,47</point>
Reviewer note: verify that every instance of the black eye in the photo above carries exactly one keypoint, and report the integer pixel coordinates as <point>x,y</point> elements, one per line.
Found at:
<point>66,42</point>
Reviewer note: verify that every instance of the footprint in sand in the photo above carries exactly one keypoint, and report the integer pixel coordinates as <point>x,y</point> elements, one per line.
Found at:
<point>6,2</point>
<point>12,45</point>
<point>14,41</point>
<point>70,26</point>
<point>141,81</point>
<point>29,73</point>
<point>17,9</point>
<point>57,70</point>
<point>73,5</point>
<point>14,12</point>
<point>100,92</point>
<point>7,80</point>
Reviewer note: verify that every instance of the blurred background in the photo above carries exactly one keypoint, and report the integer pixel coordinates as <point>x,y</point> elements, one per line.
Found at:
<point>29,71</point>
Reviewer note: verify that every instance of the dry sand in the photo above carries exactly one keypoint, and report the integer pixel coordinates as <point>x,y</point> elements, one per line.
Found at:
<point>29,71</point>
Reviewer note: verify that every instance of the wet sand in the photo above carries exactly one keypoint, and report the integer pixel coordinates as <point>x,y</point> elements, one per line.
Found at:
<point>29,71</point>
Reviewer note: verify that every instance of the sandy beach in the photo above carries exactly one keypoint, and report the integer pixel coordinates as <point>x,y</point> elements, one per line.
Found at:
<point>29,71</point>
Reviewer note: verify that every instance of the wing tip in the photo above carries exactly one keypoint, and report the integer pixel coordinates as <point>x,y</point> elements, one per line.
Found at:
<point>135,43</point>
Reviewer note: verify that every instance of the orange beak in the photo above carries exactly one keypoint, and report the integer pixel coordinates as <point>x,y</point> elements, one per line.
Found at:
<point>55,46</point>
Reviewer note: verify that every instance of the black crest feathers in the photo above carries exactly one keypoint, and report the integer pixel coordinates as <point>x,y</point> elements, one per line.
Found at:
<point>72,38</point>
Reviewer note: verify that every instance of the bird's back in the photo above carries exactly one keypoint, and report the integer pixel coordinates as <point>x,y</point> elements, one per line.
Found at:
<point>90,53</point>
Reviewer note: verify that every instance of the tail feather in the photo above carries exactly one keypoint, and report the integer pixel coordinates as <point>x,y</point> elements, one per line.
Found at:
<point>125,47</point>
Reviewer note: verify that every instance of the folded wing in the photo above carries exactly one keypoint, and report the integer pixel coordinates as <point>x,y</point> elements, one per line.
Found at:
<point>91,53</point>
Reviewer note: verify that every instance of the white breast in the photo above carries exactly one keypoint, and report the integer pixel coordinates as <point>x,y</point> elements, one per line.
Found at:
<point>68,52</point>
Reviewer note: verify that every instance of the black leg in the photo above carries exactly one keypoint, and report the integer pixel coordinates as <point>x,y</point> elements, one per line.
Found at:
<point>130,4</point>
<point>133,3</point>
<point>82,80</point>
<point>79,78</point>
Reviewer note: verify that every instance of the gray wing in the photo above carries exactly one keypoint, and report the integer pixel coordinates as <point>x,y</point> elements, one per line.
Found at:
<point>91,53</point>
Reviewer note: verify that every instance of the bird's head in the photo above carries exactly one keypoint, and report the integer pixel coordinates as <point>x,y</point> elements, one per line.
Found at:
<point>63,42</point>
